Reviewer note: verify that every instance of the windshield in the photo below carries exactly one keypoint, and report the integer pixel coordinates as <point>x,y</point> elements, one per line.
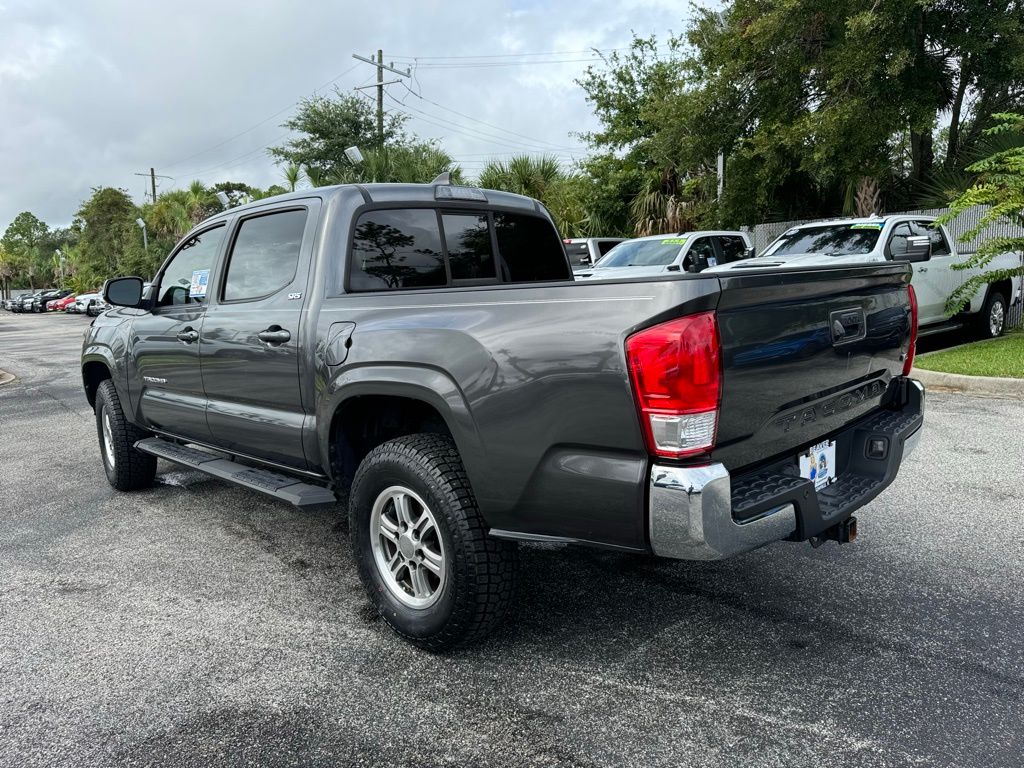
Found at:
<point>831,240</point>
<point>643,253</point>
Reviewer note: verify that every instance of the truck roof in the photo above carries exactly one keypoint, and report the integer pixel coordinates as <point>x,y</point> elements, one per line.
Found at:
<point>863,220</point>
<point>695,233</point>
<point>394,193</point>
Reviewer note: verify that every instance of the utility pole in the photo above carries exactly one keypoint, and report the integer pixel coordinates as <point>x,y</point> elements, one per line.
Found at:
<point>153,176</point>
<point>381,66</point>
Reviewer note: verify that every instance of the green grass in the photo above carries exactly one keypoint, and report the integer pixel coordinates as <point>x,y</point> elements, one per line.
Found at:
<point>996,357</point>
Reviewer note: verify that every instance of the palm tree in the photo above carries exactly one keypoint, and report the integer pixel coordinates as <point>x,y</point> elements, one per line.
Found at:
<point>198,202</point>
<point>169,215</point>
<point>292,176</point>
<point>523,174</point>
<point>413,164</point>
<point>315,176</point>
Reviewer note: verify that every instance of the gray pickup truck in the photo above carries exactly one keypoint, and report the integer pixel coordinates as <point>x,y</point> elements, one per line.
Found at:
<point>423,352</point>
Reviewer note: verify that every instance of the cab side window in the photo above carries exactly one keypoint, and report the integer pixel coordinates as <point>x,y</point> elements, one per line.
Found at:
<point>898,240</point>
<point>939,245</point>
<point>700,252</point>
<point>733,248</point>
<point>185,279</point>
<point>265,255</point>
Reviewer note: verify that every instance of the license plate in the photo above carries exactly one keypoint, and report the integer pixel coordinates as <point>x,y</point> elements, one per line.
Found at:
<point>819,464</point>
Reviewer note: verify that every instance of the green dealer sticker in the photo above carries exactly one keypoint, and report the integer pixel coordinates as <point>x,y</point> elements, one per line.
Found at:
<point>866,226</point>
<point>674,241</point>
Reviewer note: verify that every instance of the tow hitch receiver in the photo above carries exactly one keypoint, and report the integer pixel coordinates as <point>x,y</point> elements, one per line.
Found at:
<point>844,533</point>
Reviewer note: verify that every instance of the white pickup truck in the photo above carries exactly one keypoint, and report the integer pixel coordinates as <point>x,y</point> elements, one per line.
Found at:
<point>664,254</point>
<point>911,238</point>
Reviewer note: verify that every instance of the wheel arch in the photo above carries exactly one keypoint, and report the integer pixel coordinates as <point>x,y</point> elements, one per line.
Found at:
<point>96,368</point>
<point>369,406</point>
<point>1005,287</point>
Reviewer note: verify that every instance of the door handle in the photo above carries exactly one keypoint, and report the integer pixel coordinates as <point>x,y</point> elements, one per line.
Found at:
<point>275,334</point>
<point>188,335</point>
<point>922,269</point>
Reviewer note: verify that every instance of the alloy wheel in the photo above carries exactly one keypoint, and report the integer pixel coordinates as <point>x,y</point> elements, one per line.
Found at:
<point>996,318</point>
<point>407,547</point>
<point>108,440</point>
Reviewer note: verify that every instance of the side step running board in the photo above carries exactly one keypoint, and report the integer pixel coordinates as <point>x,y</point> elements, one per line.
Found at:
<point>276,484</point>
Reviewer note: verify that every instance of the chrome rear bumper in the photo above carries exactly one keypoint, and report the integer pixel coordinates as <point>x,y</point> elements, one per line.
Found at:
<point>691,508</point>
<point>691,516</point>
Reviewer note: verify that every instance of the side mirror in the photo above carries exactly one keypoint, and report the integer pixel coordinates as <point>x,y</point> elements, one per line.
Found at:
<point>586,260</point>
<point>919,248</point>
<point>123,291</point>
<point>749,253</point>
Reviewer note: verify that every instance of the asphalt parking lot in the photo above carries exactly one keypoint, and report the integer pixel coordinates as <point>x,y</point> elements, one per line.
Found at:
<point>199,624</point>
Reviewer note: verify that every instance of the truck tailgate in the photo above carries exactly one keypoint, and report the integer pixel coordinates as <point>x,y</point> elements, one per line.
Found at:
<point>805,353</point>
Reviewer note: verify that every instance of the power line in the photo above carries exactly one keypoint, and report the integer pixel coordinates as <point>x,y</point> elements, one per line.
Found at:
<point>474,133</point>
<point>497,64</point>
<point>490,125</point>
<point>514,55</point>
<point>250,153</point>
<point>261,122</point>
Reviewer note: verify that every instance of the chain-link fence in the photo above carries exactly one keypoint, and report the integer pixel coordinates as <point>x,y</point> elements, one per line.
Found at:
<point>763,235</point>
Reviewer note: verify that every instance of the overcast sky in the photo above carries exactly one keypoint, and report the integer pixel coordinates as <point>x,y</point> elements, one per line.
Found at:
<point>94,92</point>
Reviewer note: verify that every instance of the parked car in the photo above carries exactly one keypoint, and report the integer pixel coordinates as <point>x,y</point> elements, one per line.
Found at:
<point>585,252</point>
<point>906,238</point>
<point>83,301</point>
<point>40,302</point>
<point>15,301</point>
<point>96,308</point>
<point>424,352</point>
<point>60,305</point>
<point>665,254</point>
<point>28,301</point>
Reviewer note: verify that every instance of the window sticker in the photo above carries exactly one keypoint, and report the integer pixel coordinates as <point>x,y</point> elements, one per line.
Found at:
<point>871,225</point>
<point>200,280</point>
<point>674,241</point>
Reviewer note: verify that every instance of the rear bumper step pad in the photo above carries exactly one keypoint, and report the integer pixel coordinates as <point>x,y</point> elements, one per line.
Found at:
<point>276,484</point>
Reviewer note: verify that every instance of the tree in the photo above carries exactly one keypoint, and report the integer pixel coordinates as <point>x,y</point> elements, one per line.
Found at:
<point>542,177</point>
<point>111,243</point>
<point>23,240</point>
<point>328,126</point>
<point>8,270</point>
<point>815,107</point>
<point>292,176</point>
<point>418,162</point>
<point>1001,186</point>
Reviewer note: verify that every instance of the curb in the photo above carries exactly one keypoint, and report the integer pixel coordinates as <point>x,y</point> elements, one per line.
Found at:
<point>982,386</point>
<point>6,378</point>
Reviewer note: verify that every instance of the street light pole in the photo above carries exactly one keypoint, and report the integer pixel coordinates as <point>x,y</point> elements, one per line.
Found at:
<point>145,238</point>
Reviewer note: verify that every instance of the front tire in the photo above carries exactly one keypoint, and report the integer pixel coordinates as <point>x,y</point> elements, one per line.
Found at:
<point>127,468</point>
<point>421,546</point>
<point>992,319</point>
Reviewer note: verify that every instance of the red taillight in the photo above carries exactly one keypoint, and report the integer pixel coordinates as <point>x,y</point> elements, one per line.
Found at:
<point>676,378</point>
<point>912,350</point>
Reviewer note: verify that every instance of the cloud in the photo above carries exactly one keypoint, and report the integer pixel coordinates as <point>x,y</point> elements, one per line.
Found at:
<point>93,93</point>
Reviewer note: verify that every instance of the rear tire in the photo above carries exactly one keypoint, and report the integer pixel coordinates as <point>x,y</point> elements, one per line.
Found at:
<point>991,322</point>
<point>127,469</point>
<point>421,547</point>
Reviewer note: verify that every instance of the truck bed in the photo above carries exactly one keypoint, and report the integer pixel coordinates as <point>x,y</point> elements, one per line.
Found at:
<point>535,380</point>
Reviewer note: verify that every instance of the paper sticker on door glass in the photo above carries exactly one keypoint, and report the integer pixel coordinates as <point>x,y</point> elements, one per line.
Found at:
<point>197,288</point>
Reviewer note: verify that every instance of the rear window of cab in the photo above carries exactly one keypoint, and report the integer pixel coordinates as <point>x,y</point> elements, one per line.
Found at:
<point>416,248</point>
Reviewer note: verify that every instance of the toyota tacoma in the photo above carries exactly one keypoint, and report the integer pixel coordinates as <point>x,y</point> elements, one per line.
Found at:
<point>422,354</point>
